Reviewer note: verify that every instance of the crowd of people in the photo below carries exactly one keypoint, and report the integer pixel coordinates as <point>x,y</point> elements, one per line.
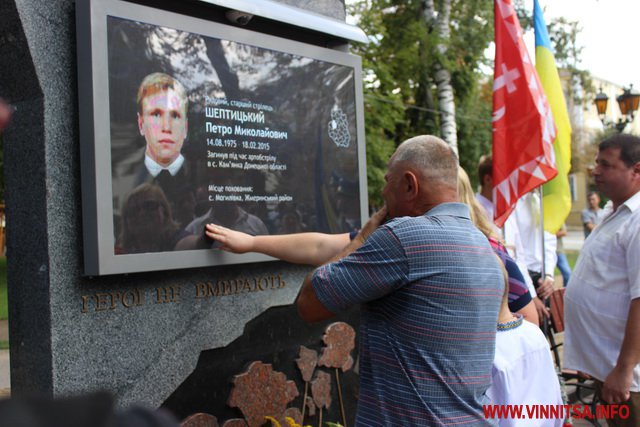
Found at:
<point>441,335</point>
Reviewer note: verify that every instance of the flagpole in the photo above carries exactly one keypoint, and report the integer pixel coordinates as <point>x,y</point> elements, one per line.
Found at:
<point>542,230</point>
<point>543,277</point>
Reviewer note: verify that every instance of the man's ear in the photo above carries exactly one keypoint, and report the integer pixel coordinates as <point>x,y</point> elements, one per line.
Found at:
<point>411,186</point>
<point>636,169</point>
<point>140,124</point>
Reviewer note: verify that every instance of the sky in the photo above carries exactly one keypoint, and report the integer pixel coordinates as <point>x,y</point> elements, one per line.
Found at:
<point>610,35</point>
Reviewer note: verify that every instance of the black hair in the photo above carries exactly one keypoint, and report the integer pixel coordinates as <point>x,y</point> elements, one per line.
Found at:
<point>629,146</point>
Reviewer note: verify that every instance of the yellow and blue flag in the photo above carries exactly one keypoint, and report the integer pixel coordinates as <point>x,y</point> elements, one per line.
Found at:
<point>556,194</point>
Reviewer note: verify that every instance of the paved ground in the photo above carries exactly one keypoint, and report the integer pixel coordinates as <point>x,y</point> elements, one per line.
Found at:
<point>574,239</point>
<point>4,373</point>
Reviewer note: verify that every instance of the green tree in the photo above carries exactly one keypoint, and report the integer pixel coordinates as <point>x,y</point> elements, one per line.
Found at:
<point>411,41</point>
<point>439,25</point>
<point>578,89</point>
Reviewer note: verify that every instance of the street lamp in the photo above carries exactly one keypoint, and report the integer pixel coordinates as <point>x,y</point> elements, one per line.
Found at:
<point>628,103</point>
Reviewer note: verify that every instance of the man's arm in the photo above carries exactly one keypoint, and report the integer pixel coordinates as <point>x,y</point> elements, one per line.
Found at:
<point>542,310</point>
<point>618,382</point>
<point>530,313</point>
<point>586,220</point>
<point>300,248</point>
<point>514,242</point>
<point>546,283</point>
<point>309,306</point>
<point>550,253</point>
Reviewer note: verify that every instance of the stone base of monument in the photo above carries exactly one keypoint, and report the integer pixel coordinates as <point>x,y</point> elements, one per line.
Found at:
<point>273,338</point>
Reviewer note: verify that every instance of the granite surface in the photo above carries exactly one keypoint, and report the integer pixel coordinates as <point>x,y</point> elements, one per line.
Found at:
<point>138,335</point>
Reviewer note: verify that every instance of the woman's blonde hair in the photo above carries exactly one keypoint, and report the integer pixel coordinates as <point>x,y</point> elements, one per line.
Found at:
<point>478,214</point>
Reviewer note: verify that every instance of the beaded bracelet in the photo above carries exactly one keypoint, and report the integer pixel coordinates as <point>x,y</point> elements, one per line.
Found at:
<point>512,324</point>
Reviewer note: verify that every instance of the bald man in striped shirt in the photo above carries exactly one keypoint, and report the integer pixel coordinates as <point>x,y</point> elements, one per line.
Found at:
<point>430,288</point>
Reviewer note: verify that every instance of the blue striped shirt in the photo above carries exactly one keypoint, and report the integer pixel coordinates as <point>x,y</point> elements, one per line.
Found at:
<point>430,289</point>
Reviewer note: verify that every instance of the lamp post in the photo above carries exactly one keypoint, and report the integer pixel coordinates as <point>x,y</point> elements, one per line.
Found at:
<point>628,103</point>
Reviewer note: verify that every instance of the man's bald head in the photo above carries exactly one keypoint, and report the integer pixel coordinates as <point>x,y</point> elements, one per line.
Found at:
<point>433,158</point>
<point>422,173</point>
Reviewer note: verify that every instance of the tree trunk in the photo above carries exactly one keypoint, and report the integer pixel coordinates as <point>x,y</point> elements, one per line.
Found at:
<point>446,102</point>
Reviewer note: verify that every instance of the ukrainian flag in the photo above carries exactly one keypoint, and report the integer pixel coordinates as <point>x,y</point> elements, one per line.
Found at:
<point>556,195</point>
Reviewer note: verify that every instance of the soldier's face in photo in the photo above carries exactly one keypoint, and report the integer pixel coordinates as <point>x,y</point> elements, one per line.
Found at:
<point>164,125</point>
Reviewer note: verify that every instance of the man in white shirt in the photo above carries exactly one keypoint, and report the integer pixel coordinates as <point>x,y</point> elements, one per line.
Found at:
<point>592,215</point>
<point>541,265</point>
<point>523,225</point>
<point>509,231</point>
<point>602,303</point>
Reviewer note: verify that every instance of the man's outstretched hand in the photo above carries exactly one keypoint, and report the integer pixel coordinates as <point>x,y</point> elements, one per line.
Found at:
<point>230,240</point>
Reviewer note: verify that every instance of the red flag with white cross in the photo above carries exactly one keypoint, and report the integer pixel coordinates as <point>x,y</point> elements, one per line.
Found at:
<point>523,127</point>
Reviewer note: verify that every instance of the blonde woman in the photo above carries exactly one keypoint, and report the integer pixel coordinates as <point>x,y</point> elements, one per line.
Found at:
<point>520,300</point>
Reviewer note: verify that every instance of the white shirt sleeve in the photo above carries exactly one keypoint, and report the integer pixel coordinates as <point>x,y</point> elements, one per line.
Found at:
<point>527,279</point>
<point>550,254</point>
<point>517,250</point>
<point>630,239</point>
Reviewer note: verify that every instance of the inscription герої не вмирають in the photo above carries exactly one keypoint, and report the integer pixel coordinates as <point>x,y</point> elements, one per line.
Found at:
<point>106,301</point>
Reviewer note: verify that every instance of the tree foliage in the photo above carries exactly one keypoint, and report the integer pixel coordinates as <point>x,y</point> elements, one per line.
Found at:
<point>400,64</point>
<point>401,61</point>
